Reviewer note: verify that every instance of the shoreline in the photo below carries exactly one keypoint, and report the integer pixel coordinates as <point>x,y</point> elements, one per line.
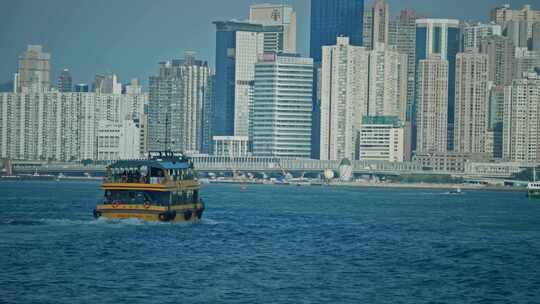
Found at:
<point>412,186</point>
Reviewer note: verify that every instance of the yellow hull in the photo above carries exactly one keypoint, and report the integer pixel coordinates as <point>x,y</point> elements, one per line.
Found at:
<point>181,213</point>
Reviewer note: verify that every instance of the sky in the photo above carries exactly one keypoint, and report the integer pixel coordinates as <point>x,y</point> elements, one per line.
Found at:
<point>130,37</point>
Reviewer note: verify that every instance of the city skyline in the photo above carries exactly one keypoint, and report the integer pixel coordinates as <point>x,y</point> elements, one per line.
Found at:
<point>71,34</point>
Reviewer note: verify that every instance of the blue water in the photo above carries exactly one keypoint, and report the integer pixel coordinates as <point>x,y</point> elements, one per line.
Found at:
<point>272,244</point>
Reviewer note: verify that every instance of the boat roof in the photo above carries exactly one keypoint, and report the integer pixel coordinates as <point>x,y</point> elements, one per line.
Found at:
<point>162,160</point>
<point>152,163</point>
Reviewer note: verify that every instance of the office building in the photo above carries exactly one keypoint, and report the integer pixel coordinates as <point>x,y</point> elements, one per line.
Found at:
<point>34,70</point>
<point>238,46</point>
<point>334,18</point>
<point>432,107</point>
<point>344,87</point>
<point>281,113</point>
<point>475,33</point>
<point>440,37</point>
<point>118,141</point>
<point>231,146</point>
<point>472,100</point>
<point>402,35</point>
<point>387,83</point>
<point>381,138</point>
<point>65,82</point>
<point>521,127</point>
<point>501,52</point>
<point>282,19</point>
<point>176,101</point>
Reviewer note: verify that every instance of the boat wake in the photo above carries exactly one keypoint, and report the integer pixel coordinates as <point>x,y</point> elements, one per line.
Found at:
<point>99,221</point>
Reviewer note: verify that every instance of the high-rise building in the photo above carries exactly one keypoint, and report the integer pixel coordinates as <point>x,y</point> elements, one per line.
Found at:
<point>387,83</point>
<point>330,19</point>
<point>367,31</point>
<point>472,97</point>
<point>380,23</point>
<point>441,37</point>
<point>500,51</point>
<point>333,18</point>
<point>238,46</point>
<point>65,82</point>
<point>281,113</point>
<point>376,24</point>
<point>495,122</point>
<point>280,17</point>
<point>536,37</point>
<point>381,138</point>
<point>503,14</point>
<point>107,84</point>
<point>402,35</point>
<point>55,125</point>
<point>473,34</point>
<point>517,32</point>
<point>344,87</point>
<point>525,61</point>
<point>432,107</point>
<point>34,70</point>
<point>521,127</point>
<point>208,115</point>
<point>176,102</point>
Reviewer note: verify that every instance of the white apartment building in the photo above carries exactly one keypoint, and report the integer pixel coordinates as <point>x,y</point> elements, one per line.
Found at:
<point>432,107</point>
<point>471,104</point>
<point>387,82</point>
<point>56,126</point>
<point>282,106</point>
<point>473,34</point>
<point>381,138</point>
<point>344,87</point>
<point>521,126</point>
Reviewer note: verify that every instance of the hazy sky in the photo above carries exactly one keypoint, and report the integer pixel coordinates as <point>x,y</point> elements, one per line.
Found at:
<point>129,37</point>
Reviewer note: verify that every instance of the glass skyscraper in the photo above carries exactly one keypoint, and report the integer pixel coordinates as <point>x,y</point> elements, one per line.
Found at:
<point>333,18</point>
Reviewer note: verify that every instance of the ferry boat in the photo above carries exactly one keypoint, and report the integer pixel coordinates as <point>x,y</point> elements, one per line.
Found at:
<point>163,188</point>
<point>533,188</point>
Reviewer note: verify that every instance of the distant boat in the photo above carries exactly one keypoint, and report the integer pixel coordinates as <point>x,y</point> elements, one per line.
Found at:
<point>456,192</point>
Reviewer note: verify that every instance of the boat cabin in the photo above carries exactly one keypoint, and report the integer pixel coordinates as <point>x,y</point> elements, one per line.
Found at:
<point>156,170</point>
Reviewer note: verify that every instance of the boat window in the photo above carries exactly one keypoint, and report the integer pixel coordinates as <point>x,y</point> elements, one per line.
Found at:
<point>137,197</point>
<point>156,176</point>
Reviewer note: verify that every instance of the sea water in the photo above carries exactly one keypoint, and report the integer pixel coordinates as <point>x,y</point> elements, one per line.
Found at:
<point>272,244</point>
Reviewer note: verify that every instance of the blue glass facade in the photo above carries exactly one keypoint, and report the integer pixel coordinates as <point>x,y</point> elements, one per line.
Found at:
<point>333,18</point>
<point>223,122</point>
<point>329,20</point>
